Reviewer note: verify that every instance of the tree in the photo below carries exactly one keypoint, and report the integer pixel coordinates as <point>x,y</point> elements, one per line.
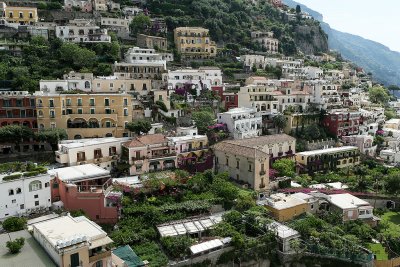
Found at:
<point>378,95</point>
<point>14,224</point>
<point>279,122</point>
<point>392,183</point>
<point>202,120</point>
<point>285,167</point>
<point>52,136</point>
<point>15,133</point>
<point>139,23</point>
<point>15,246</point>
<point>298,9</point>
<point>139,126</point>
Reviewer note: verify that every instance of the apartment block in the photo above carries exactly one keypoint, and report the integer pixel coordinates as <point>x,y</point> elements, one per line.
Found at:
<point>242,122</point>
<point>24,195</point>
<point>85,115</point>
<point>18,15</point>
<point>267,40</point>
<point>104,152</point>
<point>82,31</point>
<point>328,159</point>
<point>342,123</point>
<point>194,43</point>
<point>150,153</point>
<point>18,108</point>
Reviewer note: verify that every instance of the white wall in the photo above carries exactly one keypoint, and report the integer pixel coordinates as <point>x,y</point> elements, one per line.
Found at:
<point>26,197</point>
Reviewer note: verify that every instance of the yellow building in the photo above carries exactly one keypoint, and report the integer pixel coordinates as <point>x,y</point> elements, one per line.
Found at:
<point>194,43</point>
<point>285,207</point>
<point>328,159</point>
<point>85,115</point>
<point>20,15</point>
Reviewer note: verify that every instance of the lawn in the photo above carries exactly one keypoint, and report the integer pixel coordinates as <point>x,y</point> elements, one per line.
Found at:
<point>393,221</point>
<point>378,250</point>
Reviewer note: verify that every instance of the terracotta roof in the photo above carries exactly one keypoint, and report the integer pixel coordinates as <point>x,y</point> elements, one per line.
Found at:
<point>145,140</point>
<point>240,150</point>
<point>263,140</point>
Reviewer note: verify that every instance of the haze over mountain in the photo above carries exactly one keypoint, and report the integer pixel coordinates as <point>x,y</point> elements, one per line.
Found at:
<point>372,56</point>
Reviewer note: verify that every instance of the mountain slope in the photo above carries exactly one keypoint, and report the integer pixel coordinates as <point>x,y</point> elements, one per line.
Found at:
<point>372,56</point>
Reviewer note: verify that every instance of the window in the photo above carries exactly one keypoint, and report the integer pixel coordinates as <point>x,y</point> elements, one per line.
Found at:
<point>21,15</point>
<point>51,103</point>
<point>79,101</point>
<point>68,101</point>
<point>227,161</point>
<point>35,185</point>
<point>108,124</point>
<point>14,201</point>
<point>106,102</point>
<point>46,184</point>
<point>37,203</point>
<point>97,153</point>
<point>10,192</point>
<point>125,101</point>
<point>126,112</point>
<point>74,258</point>
<point>87,84</point>
<point>36,196</point>
<point>52,114</point>
<point>107,111</point>
<point>22,206</point>
<point>99,263</point>
<point>80,111</point>
<point>237,164</point>
<point>18,190</point>
<point>91,102</point>
<point>250,168</point>
<point>92,111</point>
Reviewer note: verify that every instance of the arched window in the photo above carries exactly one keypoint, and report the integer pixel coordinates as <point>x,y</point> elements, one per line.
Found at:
<point>18,190</point>
<point>87,84</point>
<point>10,192</point>
<point>35,185</point>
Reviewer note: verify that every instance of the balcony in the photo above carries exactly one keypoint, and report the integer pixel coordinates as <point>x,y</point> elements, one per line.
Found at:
<point>163,155</point>
<point>194,149</point>
<point>100,255</point>
<point>262,172</point>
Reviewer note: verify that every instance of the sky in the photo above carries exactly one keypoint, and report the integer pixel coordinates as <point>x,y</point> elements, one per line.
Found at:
<point>375,20</point>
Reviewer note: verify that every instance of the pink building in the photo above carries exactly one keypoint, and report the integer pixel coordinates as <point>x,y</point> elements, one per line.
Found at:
<point>86,187</point>
<point>150,153</point>
<point>84,6</point>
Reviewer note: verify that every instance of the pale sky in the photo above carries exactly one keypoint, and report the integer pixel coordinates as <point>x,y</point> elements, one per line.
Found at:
<point>375,20</point>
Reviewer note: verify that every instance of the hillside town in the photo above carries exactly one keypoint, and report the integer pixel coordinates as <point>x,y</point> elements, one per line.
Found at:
<point>179,151</point>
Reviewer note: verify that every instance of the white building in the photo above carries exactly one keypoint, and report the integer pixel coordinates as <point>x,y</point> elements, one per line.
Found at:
<point>73,241</point>
<point>313,73</point>
<point>242,122</point>
<point>390,155</point>
<point>101,151</point>
<point>202,78</point>
<point>24,195</point>
<point>250,61</point>
<point>136,55</point>
<point>83,5</point>
<point>82,31</point>
<point>392,124</point>
<point>363,142</point>
<point>326,95</point>
<point>285,236</point>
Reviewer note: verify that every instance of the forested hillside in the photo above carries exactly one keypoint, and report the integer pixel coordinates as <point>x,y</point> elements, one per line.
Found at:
<point>230,22</point>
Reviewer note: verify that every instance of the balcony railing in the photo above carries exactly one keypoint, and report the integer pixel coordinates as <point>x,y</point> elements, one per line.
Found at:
<point>194,149</point>
<point>262,172</point>
<point>164,155</point>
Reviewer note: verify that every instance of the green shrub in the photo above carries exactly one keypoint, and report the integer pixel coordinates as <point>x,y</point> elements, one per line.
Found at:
<point>15,246</point>
<point>176,246</point>
<point>12,177</point>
